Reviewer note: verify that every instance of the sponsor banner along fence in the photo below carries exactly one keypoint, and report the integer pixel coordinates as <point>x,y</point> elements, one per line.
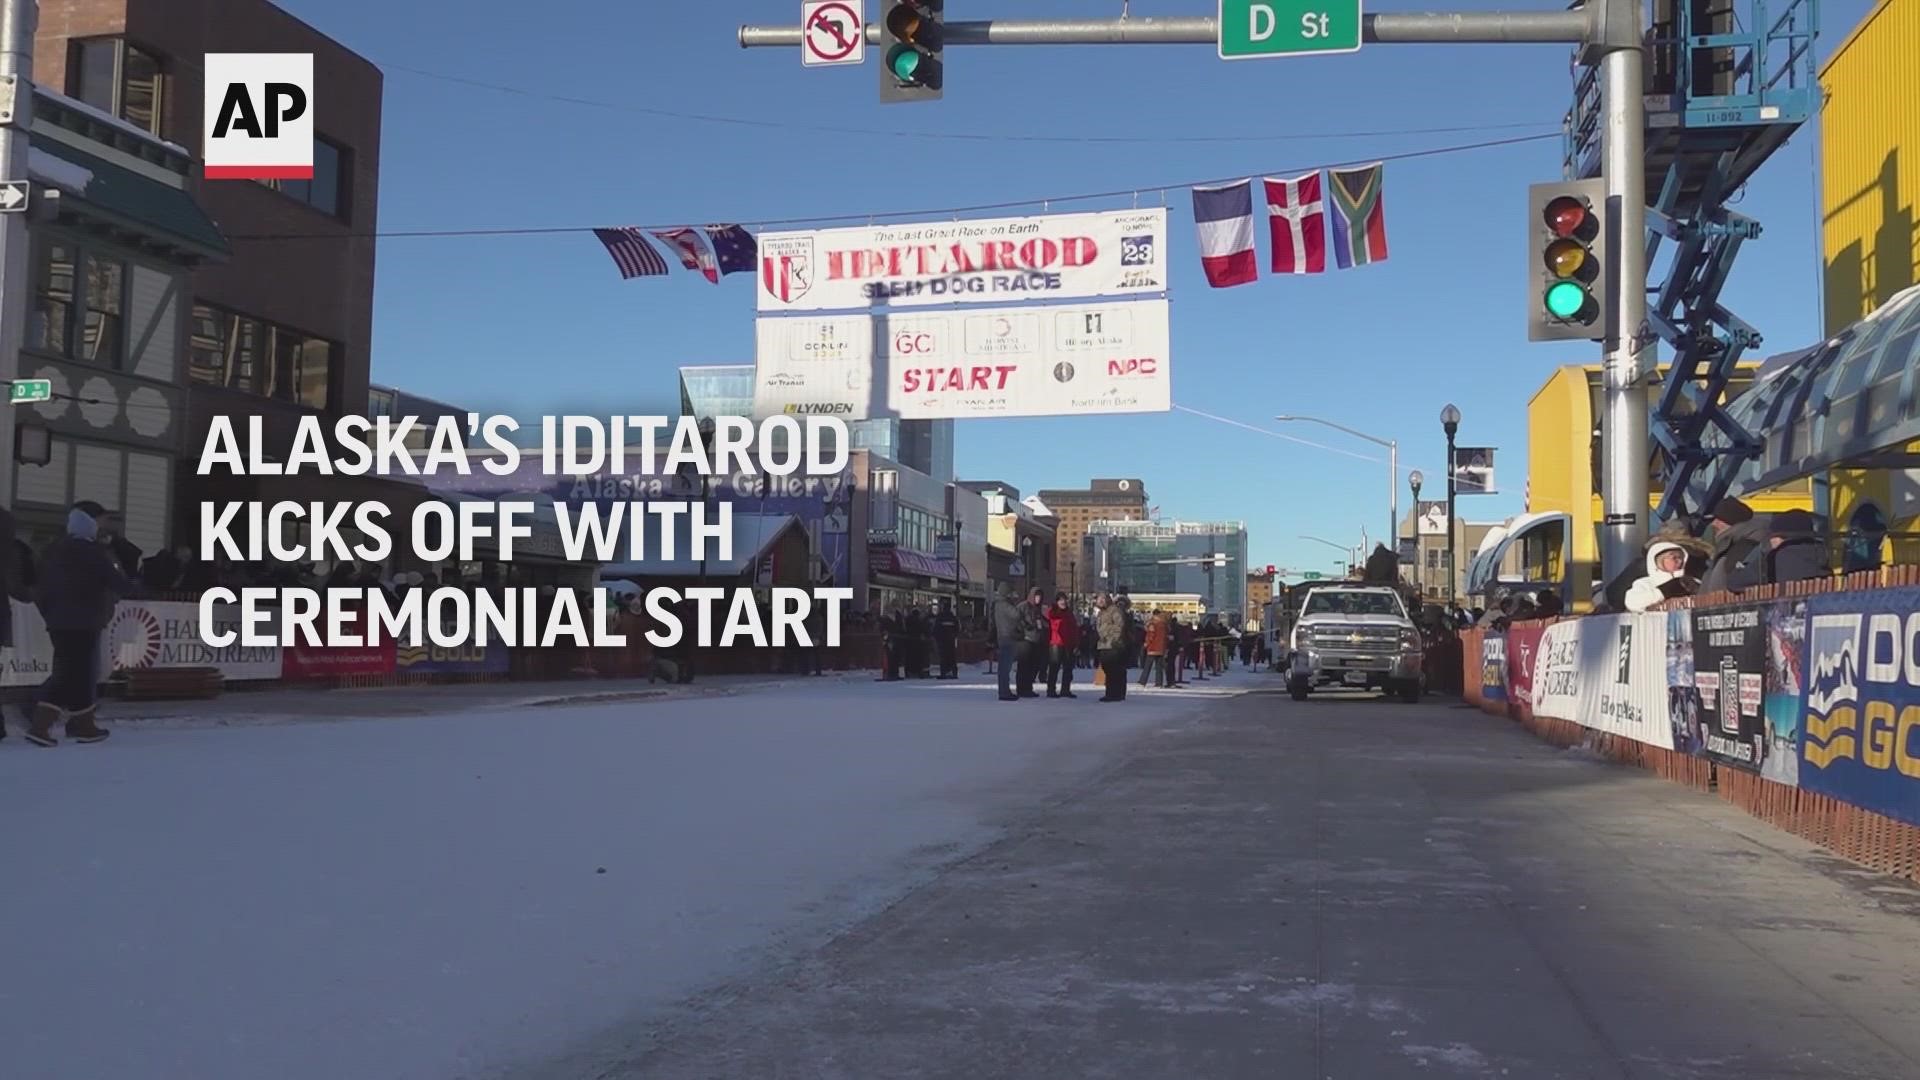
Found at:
<point>990,261</point>
<point>1058,360</point>
<point>1861,701</point>
<point>1729,656</point>
<point>142,634</point>
<point>1523,644</point>
<point>1493,667</point>
<point>1608,673</point>
<point>489,659</point>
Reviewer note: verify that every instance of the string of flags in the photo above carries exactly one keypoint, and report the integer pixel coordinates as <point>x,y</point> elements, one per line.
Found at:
<point>1297,217</point>
<point>712,250</point>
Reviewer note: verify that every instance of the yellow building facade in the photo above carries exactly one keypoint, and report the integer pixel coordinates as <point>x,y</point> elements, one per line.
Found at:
<point>1869,193</point>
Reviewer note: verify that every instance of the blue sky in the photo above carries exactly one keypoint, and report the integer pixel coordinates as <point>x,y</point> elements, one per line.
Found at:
<point>545,324</point>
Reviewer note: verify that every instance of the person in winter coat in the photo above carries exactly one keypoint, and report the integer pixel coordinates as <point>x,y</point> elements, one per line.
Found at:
<point>1110,626</point>
<point>80,582</point>
<point>1006,640</point>
<point>1034,632</point>
<point>1739,540</point>
<point>946,640</point>
<point>1063,641</point>
<point>1153,665</point>
<point>1795,551</point>
<point>1666,577</point>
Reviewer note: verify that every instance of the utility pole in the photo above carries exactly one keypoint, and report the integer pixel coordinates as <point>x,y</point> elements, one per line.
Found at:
<point>1608,32</point>
<point>17,18</point>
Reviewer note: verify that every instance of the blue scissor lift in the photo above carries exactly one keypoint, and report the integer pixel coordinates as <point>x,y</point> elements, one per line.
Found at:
<point>1727,83</point>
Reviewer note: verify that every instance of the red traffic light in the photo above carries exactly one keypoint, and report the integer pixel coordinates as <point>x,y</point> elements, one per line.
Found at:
<point>1570,216</point>
<point>1270,569</point>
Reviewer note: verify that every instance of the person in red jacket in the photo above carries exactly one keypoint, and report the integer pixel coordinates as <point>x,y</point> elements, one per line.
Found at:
<point>1063,641</point>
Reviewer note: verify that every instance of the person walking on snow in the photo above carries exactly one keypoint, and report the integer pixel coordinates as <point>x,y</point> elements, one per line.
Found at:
<point>1153,661</point>
<point>78,588</point>
<point>1063,641</point>
<point>1111,626</point>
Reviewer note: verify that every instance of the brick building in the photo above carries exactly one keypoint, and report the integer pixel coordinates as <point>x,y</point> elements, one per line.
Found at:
<point>1075,509</point>
<point>282,327</point>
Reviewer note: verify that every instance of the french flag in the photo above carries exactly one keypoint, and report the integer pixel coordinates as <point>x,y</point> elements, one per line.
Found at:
<point>1225,217</point>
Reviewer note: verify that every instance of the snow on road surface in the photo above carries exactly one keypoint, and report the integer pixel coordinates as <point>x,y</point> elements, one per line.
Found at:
<point>449,896</point>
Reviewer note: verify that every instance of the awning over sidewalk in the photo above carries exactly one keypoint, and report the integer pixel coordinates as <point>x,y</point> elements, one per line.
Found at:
<point>1852,401</point>
<point>913,564</point>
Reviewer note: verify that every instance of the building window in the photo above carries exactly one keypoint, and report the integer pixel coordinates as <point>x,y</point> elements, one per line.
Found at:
<point>121,79</point>
<point>327,191</point>
<point>50,324</point>
<point>106,310</point>
<point>261,358</point>
<point>79,298</point>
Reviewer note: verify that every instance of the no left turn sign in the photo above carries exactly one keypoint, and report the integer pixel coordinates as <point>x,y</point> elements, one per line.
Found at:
<point>833,33</point>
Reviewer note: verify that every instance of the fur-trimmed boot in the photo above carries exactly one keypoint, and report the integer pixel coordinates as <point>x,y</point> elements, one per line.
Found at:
<point>82,729</point>
<point>40,728</point>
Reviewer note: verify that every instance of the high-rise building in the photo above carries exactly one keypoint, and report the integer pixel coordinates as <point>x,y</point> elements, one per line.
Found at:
<point>727,390</point>
<point>1204,557</point>
<point>1074,509</point>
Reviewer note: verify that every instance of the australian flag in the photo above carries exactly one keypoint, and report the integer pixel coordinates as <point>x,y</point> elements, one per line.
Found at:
<point>734,250</point>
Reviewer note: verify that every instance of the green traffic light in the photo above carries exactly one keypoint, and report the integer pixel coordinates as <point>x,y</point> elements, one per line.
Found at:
<point>904,61</point>
<point>1565,299</point>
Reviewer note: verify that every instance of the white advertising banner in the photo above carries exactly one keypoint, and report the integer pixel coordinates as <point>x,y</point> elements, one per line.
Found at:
<point>1035,361</point>
<point>993,261</point>
<point>1608,673</point>
<point>967,363</point>
<point>820,366</point>
<point>166,634</point>
<point>142,634</point>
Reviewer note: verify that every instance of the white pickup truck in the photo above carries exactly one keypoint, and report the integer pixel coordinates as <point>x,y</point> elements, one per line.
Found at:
<point>1359,637</point>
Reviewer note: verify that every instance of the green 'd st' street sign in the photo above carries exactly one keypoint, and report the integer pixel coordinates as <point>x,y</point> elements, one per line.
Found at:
<point>28,391</point>
<point>1250,29</point>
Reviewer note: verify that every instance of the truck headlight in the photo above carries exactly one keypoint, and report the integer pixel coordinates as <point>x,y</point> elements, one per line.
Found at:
<point>1410,639</point>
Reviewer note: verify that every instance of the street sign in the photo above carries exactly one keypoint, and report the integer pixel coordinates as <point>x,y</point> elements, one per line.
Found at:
<point>832,33</point>
<point>1252,29</point>
<point>28,391</point>
<point>946,546</point>
<point>1310,575</point>
<point>13,196</point>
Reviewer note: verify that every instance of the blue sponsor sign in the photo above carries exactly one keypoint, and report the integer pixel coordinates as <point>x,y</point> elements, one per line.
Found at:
<point>489,659</point>
<point>1860,732</point>
<point>1493,667</point>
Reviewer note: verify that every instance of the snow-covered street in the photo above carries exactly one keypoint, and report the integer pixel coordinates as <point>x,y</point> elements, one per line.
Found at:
<point>450,895</point>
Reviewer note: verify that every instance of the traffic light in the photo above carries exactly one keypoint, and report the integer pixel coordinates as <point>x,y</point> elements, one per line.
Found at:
<point>1567,241</point>
<point>912,69</point>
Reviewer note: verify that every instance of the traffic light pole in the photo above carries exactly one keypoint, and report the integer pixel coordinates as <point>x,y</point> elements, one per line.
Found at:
<point>1609,33</point>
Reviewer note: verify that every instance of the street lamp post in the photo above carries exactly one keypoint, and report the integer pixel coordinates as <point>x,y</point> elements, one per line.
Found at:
<point>1393,465</point>
<point>1450,421</point>
<point>1026,564</point>
<point>1414,481</point>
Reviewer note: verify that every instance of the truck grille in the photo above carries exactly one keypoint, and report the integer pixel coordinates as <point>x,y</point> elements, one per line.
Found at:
<point>1354,637</point>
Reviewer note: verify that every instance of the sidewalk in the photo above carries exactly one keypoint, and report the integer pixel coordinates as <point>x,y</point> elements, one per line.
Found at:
<point>1350,890</point>
<point>297,704</point>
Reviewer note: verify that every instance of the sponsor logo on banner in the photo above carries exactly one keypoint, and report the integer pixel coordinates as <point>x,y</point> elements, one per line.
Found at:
<point>1493,667</point>
<point>1598,672</point>
<point>166,634</point>
<point>1861,730</point>
<point>1063,372</point>
<point>820,408</point>
<point>1055,257</point>
<point>1523,648</point>
<point>786,268</point>
<point>1730,669</point>
<point>820,366</point>
<point>491,659</point>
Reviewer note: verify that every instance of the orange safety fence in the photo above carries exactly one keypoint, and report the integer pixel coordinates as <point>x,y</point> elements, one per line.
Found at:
<point>1861,835</point>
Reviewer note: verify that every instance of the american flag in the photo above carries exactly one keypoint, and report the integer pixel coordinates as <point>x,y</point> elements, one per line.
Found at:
<point>631,252</point>
<point>733,248</point>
